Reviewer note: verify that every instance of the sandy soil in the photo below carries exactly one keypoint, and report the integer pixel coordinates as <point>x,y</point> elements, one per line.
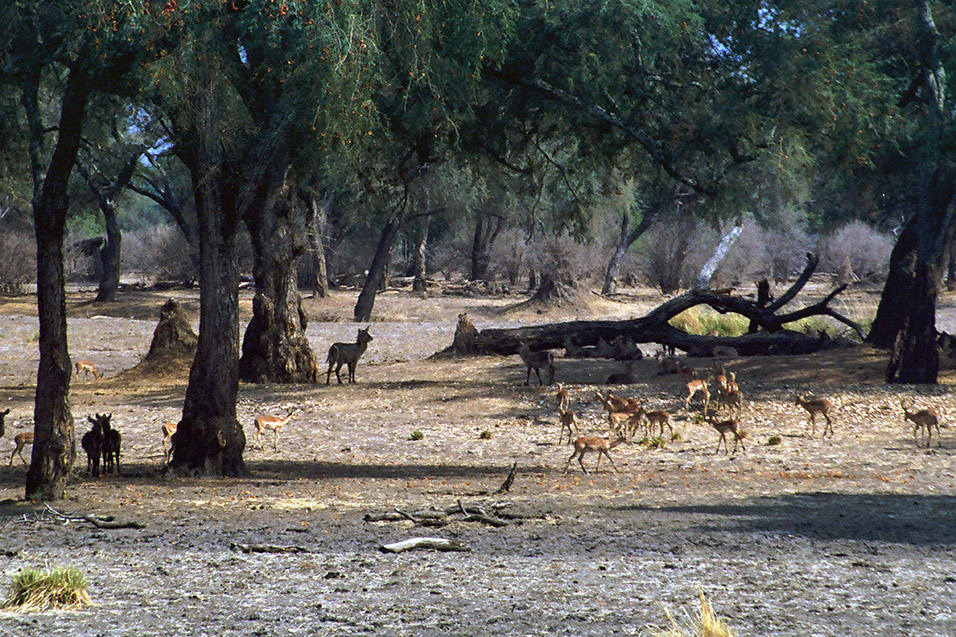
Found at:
<point>854,534</point>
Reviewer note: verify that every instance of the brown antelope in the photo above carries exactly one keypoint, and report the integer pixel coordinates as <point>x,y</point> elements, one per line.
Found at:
<point>625,378</point>
<point>264,423</point>
<point>719,374</point>
<point>625,349</point>
<point>21,440</point>
<point>563,398</point>
<point>660,418</point>
<point>86,367</point>
<point>816,406</point>
<point>695,387</point>
<point>347,354</point>
<point>733,426</point>
<point>689,373</point>
<point>536,360</point>
<point>169,444</point>
<point>601,446</point>
<point>569,419</point>
<point>734,399</point>
<point>922,419</point>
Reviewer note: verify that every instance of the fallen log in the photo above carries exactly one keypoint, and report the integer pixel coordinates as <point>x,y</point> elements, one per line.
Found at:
<point>655,328</point>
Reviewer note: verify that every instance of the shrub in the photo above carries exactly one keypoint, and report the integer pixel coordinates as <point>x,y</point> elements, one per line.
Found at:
<point>485,435</point>
<point>856,252</point>
<point>416,435</point>
<point>160,253</point>
<point>34,589</point>
<point>706,624</point>
<point>18,267</point>
<point>773,441</point>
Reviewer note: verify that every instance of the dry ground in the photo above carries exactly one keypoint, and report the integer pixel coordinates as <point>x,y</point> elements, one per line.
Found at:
<point>844,536</point>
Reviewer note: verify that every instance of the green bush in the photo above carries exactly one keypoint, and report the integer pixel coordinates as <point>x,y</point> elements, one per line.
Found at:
<point>35,589</point>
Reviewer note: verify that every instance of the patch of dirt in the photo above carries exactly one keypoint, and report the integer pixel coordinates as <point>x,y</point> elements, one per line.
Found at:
<point>852,534</point>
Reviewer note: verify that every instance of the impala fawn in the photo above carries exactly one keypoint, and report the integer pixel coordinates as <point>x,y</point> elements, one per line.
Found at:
<point>21,440</point>
<point>733,426</point>
<point>816,406</point>
<point>923,419</point>
<point>87,368</point>
<point>264,423</point>
<point>601,446</point>
<point>569,419</point>
<point>563,398</point>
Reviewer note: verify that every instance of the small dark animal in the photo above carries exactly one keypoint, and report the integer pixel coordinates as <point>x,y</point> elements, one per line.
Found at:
<point>347,354</point>
<point>92,442</point>
<point>111,444</point>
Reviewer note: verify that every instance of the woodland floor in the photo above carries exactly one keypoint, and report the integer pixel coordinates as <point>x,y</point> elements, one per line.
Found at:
<point>851,535</point>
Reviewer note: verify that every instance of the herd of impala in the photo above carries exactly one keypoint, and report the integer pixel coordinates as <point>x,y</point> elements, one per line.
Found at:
<point>715,387</point>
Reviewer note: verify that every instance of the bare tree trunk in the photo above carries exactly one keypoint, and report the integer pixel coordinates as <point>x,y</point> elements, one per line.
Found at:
<point>376,271</point>
<point>110,254</point>
<point>720,252</point>
<point>316,223</point>
<point>54,449</point>
<point>900,280</point>
<point>420,283</point>
<point>625,241</point>
<point>487,228</point>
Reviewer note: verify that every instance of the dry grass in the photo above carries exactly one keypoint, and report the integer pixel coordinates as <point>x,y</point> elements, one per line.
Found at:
<point>706,624</point>
<point>36,589</point>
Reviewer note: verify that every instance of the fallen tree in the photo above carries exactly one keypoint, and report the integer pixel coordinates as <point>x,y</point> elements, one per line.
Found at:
<point>654,327</point>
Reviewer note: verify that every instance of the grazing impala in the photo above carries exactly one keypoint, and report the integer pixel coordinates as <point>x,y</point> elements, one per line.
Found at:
<point>264,423</point>
<point>922,419</point>
<point>600,446</point>
<point>816,406</point>
<point>695,387</point>
<point>87,368</point>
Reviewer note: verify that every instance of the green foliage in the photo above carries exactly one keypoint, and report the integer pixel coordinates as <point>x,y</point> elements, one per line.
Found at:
<point>416,435</point>
<point>35,589</point>
<point>485,435</point>
<point>699,320</point>
<point>773,441</point>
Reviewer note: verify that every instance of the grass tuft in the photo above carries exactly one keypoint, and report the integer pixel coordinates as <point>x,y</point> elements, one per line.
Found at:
<point>485,435</point>
<point>706,624</point>
<point>773,441</point>
<point>36,589</point>
<point>416,435</point>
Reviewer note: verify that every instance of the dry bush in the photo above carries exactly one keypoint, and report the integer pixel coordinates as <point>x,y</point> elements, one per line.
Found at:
<point>160,253</point>
<point>675,251</point>
<point>19,265</point>
<point>566,261</point>
<point>510,256</point>
<point>706,624</point>
<point>856,252</point>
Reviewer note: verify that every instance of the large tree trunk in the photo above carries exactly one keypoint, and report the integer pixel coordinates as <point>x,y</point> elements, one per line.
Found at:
<point>487,229</point>
<point>275,348</point>
<point>209,439</point>
<point>915,358</point>
<point>899,282</point>
<point>376,271</point>
<point>54,449</point>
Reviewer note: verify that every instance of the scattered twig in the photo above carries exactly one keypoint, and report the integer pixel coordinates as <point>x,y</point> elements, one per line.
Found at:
<point>506,485</point>
<point>267,548</point>
<point>433,543</point>
<point>100,523</point>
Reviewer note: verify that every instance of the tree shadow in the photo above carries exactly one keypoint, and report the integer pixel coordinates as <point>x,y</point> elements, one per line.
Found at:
<point>895,518</point>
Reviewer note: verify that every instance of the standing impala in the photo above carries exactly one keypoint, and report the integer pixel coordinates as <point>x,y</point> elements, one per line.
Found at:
<point>264,423</point>
<point>816,406</point>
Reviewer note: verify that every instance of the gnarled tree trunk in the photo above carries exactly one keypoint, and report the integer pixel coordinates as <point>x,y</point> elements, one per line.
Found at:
<point>54,449</point>
<point>275,348</point>
<point>376,271</point>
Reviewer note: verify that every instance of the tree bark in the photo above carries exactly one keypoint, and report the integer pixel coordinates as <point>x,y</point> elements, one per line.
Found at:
<point>420,283</point>
<point>54,448</point>
<point>486,231</point>
<point>275,348</point>
<point>915,358</point>
<point>901,278</point>
<point>720,252</point>
<point>317,214</point>
<point>376,271</point>
<point>209,438</point>
<point>110,254</point>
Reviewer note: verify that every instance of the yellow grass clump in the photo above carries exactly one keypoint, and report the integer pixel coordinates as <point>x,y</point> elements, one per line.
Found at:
<point>706,624</point>
<point>36,589</point>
